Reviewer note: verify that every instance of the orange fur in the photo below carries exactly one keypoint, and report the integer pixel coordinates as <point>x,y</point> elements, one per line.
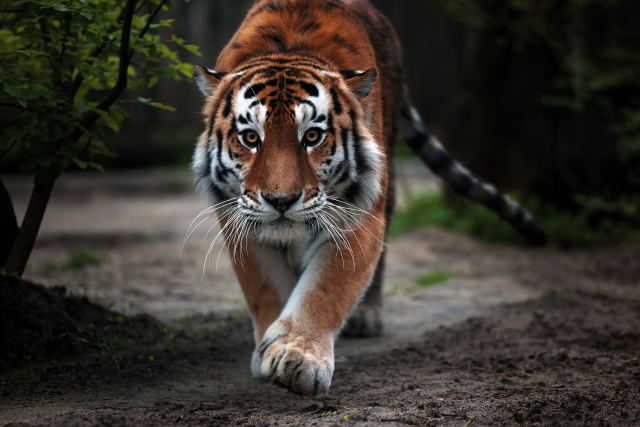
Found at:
<point>299,49</point>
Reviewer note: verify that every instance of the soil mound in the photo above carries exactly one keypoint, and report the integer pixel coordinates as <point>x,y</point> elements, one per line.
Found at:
<point>39,323</point>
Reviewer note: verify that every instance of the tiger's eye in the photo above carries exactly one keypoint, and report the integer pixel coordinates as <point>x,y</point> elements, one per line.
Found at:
<point>251,137</point>
<point>312,135</point>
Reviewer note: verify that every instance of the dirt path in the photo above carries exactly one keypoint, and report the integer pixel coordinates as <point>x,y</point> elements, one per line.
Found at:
<point>514,337</point>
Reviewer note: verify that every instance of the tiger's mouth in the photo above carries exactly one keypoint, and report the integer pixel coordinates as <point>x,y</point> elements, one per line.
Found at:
<point>282,230</point>
<point>282,221</point>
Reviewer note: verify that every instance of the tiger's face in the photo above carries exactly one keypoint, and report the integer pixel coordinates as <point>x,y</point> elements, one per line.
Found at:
<point>285,142</point>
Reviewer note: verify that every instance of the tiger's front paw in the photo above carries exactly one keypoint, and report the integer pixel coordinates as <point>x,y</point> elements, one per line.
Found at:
<point>296,359</point>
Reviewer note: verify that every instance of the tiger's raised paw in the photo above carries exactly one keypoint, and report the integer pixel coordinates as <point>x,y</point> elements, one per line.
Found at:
<point>302,363</point>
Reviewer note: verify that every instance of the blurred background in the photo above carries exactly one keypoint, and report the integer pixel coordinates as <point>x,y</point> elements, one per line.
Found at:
<point>539,97</point>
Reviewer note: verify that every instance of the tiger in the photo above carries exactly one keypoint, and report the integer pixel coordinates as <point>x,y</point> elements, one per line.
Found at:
<point>301,114</point>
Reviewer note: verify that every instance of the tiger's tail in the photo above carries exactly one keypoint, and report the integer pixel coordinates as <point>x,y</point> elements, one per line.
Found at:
<point>433,154</point>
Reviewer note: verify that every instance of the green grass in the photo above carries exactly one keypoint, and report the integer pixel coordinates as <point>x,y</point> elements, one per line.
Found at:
<point>80,258</point>
<point>77,259</point>
<point>438,276</point>
<point>564,230</point>
<point>468,423</point>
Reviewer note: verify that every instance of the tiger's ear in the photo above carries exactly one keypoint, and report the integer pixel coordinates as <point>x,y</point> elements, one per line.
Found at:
<point>360,82</point>
<point>207,79</point>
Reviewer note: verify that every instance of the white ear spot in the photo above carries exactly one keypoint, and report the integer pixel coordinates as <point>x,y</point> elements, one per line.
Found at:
<point>207,79</point>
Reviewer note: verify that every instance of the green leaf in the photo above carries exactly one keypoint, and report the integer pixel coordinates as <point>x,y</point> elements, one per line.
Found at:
<point>156,104</point>
<point>80,163</point>
<point>152,81</point>
<point>26,52</point>
<point>12,88</point>
<point>162,106</point>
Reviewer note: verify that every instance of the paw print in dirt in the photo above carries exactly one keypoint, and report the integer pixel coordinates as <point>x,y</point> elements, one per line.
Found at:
<point>296,359</point>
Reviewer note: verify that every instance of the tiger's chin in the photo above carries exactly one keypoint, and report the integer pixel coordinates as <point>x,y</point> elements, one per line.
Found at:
<point>282,230</point>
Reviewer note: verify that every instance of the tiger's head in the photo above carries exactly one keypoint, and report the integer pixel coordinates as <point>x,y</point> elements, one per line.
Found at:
<point>287,140</point>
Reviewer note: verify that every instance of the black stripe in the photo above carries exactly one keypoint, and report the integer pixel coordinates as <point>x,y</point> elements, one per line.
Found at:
<point>353,190</point>
<point>254,90</point>
<point>461,184</point>
<point>344,133</point>
<point>311,89</point>
<point>361,164</point>
<point>312,105</point>
<point>218,193</point>
<point>213,121</point>
<point>227,106</point>
<point>343,170</point>
<point>232,129</point>
<point>221,174</point>
<point>497,203</point>
<point>440,162</point>
<point>337,106</point>
<point>417,140</point>
<point>309,27</point>
<point>347,74</point>
<point>330,127</point>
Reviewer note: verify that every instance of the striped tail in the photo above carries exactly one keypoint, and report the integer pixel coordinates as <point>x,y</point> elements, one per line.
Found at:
<point>463,182</point>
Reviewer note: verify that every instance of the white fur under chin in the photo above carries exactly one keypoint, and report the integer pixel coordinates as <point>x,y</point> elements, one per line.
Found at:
<point>283,234</point>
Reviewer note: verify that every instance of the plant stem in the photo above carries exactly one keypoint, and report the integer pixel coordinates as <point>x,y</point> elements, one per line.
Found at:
<point>8,224</point>
<point>26,238</point>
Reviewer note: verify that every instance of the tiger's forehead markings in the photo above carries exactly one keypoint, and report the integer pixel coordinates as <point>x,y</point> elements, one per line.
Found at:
<point>280,90</point>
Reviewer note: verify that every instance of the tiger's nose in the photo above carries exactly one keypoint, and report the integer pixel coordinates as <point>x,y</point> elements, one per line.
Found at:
<point>281,202</point>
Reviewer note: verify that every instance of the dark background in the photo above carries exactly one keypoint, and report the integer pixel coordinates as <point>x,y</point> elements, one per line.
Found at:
<point>541,97</point>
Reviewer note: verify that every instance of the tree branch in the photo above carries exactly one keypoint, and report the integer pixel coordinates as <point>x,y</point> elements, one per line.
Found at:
<point>96,52</point>
<point>121,83</point>
<point>8,149</point>
<point>151,18</point>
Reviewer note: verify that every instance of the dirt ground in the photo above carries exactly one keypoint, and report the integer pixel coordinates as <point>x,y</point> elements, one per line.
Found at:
<point>515,337</point>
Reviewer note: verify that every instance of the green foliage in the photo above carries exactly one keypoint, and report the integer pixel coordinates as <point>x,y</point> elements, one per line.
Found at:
<point>81,258</point>
<point>438,276</point>
<point>402,150</point>
<point>564,230</point>
<point>64,66</point>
